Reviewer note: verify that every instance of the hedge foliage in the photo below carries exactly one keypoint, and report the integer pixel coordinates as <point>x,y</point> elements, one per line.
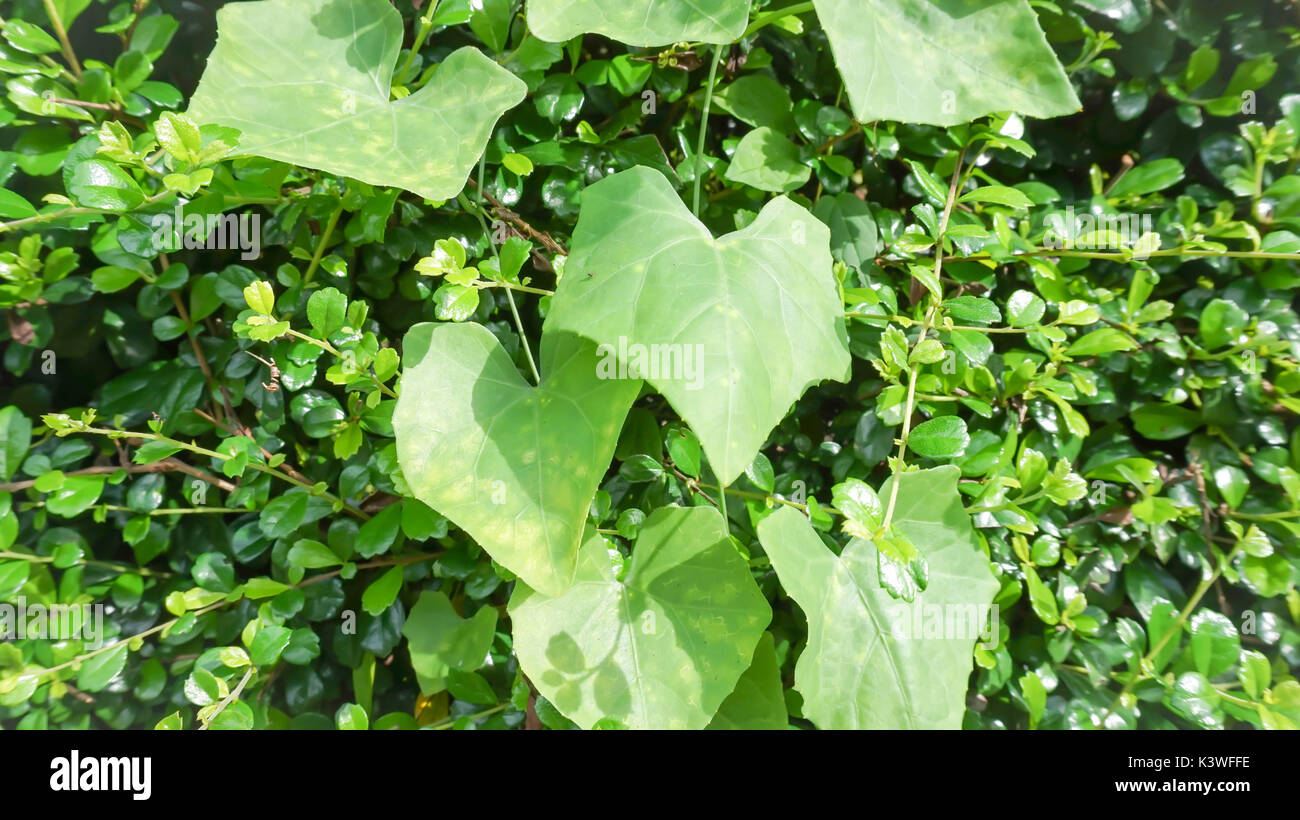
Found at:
<point>654,365</point>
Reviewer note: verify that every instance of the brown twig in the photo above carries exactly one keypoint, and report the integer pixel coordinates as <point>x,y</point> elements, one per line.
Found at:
<point>167,465</point>
<point>500,210</point>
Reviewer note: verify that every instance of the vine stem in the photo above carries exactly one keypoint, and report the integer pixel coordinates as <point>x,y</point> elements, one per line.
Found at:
<point>1173,630</point>
<point>477,208</point>
<point>953,187</point>
<point>451,721</point>
<point>74,211</point>
<point>426,26</point>
<point>62,33</point>
<point>203,451</point>
<point>314,265</point>
<point>704,129</point>
<point>766,19</point>
<point>234,695</point>
<point>113,565</point>
<point>138,636</point>
<point>1128,257</point>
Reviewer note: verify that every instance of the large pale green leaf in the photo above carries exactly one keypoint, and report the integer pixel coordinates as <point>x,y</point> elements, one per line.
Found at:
<point>440,640</point>
<point>320,98</point>
<point>731,330</point>
<point>640,22</point>
<point>873,661</point>
<point>660,649</point>
<point>758,701</point>
<point>944,62</point>
<point>514,466</point>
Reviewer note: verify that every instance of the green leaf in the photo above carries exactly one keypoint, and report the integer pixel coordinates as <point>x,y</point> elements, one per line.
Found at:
<point>455,303</point>
<point>918,61</point>
<point>997,195</point>
<point>382,592</point>
<point>660,649</point>
<point>1215,644</point>
<point>29,37</point>
<point>322,101</point>
<point>15,438</point>
<point>312,555</point>
<point>351,717</point>
<point>1077,312</point>
<point>862,508</point>
<point>754,317</point>
<point>1041,598</point>
<point>76,495</point>
<point>98,183</point>
<point>470,687</point>
<point>870,662</point>
<point>760,472</point>
<point>152,451</point>
<point>268,644</point>
<point>378,535</point>
<point>514,466</point>
<point>760,101</point>
<point>1164,421</point>
<point>13,206</point>
<point>769,162</point>
<point>758,701</point>
<point>1222,322</point>
<point>1024,308</point>
<point>973,309</point>
<point>439,640</point>
<point>1100,342</point>
<point>260,297</point>
<point>942,437</point>
<point>327,311</point>
<point>1148,178</point>
<point>854,235</point>
<point>640,22</point>
<point>98,671</point>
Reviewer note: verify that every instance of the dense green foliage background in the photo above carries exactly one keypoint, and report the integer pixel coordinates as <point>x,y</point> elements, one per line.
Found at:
<point>1128,447</point>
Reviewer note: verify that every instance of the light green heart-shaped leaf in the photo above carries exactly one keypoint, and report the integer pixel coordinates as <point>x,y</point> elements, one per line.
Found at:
<point>320,98</point>
<point>640,22</point>
<point>440,640</point>
<point>514,466</point>
<point>944,62</point>
<point>873,661</point>
<point>731,331</point>
<point>660,649</point>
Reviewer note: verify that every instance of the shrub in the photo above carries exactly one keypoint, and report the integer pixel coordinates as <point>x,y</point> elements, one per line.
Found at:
<point>839,364</point>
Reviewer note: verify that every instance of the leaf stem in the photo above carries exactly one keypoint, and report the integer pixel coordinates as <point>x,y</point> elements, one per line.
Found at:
<point>426,26</point>
<point>1138,673</point>
<point>256,465</point>
<point>234,695</point>
<point>73,211</point>
<point>451,721</point>
<point>62,34</point>
<point>704,129</point>
<point>914,369</point>
<point>320,246</point>
<point>477,208</point>
<point>113,565</point>
<point>767,18</point>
